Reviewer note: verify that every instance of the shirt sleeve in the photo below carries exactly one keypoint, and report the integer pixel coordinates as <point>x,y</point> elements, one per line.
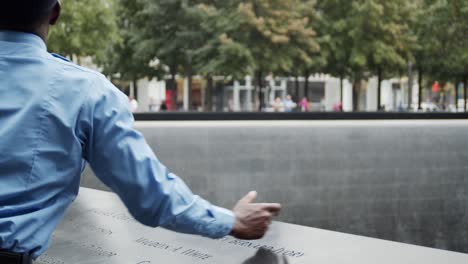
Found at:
<point>121,158</point>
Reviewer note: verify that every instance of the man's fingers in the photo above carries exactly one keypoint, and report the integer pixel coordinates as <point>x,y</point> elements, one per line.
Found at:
<point>275,213</point>
<point>273,208</point>
<point>250,197</point>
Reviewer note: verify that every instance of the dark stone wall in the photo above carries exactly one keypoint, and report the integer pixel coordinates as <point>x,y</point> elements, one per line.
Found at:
<point>396,180</point>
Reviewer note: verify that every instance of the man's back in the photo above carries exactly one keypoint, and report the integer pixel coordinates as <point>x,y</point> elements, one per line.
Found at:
<point>54,116</point>
<point>40,146</point>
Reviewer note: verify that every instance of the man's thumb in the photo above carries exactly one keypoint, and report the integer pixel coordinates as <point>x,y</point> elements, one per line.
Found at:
<point>250,197</point>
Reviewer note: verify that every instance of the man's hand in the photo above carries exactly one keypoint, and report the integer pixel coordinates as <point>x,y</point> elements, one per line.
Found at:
<point>253,219</point>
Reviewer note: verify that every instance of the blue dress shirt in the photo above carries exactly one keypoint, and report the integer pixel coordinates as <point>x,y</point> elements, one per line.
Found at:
<point>54,116</point>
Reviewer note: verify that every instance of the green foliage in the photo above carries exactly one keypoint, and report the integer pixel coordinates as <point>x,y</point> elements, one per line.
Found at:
<point>443,50</point>
<point>220,54</point>
<point>381,35</point>
<point>365,37</point>
<point>334,27</point>
<point>354,39</point>
<point>168,30</point>
<point>277,33</point>
<point>85,28</point>
<point>123,58</point>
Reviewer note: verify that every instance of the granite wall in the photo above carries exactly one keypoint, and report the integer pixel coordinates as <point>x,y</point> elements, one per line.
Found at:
<point>396,180</point>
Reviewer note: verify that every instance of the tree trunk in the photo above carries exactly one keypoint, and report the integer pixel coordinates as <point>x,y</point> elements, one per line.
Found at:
<point>420,84</point>
<point>135,88</point>
<point>465,89</point>
<point>173,88</point>
<point>456,95</point>
<point>306,84</point>
<point>209,94</point>
<point>443,95</point>
<point>190,101</point>
<point>341,92</point>
<point>356,89</point>
<point>220,96</point>
<point>410,85</point>
<point>189,75</point>
<point>296,84</point>
<point>259,86</point>
<point>379,89</point>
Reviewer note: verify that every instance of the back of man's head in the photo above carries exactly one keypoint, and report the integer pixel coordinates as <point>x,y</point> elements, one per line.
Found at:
<point>24,14</point>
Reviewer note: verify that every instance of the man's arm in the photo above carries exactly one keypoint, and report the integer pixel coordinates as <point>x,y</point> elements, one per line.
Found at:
<point>121,158</point>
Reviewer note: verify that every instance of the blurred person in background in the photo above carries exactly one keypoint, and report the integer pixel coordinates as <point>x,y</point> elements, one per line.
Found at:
<point>289,104</point>
<point>278,105</point>
<point>338,107</point>
<point>54,117</point>
<point>132,104</point>
<point>304,105</point>
<point>322,105</point>
<point>152,106</point>
<point>163,107</point>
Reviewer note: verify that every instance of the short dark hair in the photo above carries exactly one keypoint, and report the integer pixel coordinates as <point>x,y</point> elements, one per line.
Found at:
<point>24,13</point>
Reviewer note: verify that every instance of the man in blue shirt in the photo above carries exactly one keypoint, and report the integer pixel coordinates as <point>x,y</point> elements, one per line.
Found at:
<point>55,116</point>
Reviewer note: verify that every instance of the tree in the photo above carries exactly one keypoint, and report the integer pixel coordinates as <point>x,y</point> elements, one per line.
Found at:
<point>170,31</point>
<point>310,57</point>
<point>276,33</point>
<point>86,28</point>
<point>220,55</point>
<point>422,28</point>
<point>336,42</point>
<point>381,37</point>
<point>442,53</point>
<point>123,60</point>
<point>452,18</point>
<point>215,37</point>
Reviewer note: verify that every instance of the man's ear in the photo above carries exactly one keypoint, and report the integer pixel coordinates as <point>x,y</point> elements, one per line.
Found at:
<point>55,14</point>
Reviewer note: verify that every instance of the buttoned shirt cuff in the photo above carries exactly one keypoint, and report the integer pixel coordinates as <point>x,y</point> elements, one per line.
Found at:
<point>223,224</point>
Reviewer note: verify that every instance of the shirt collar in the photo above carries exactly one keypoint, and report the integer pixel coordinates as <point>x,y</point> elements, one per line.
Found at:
<point>22,37</point>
